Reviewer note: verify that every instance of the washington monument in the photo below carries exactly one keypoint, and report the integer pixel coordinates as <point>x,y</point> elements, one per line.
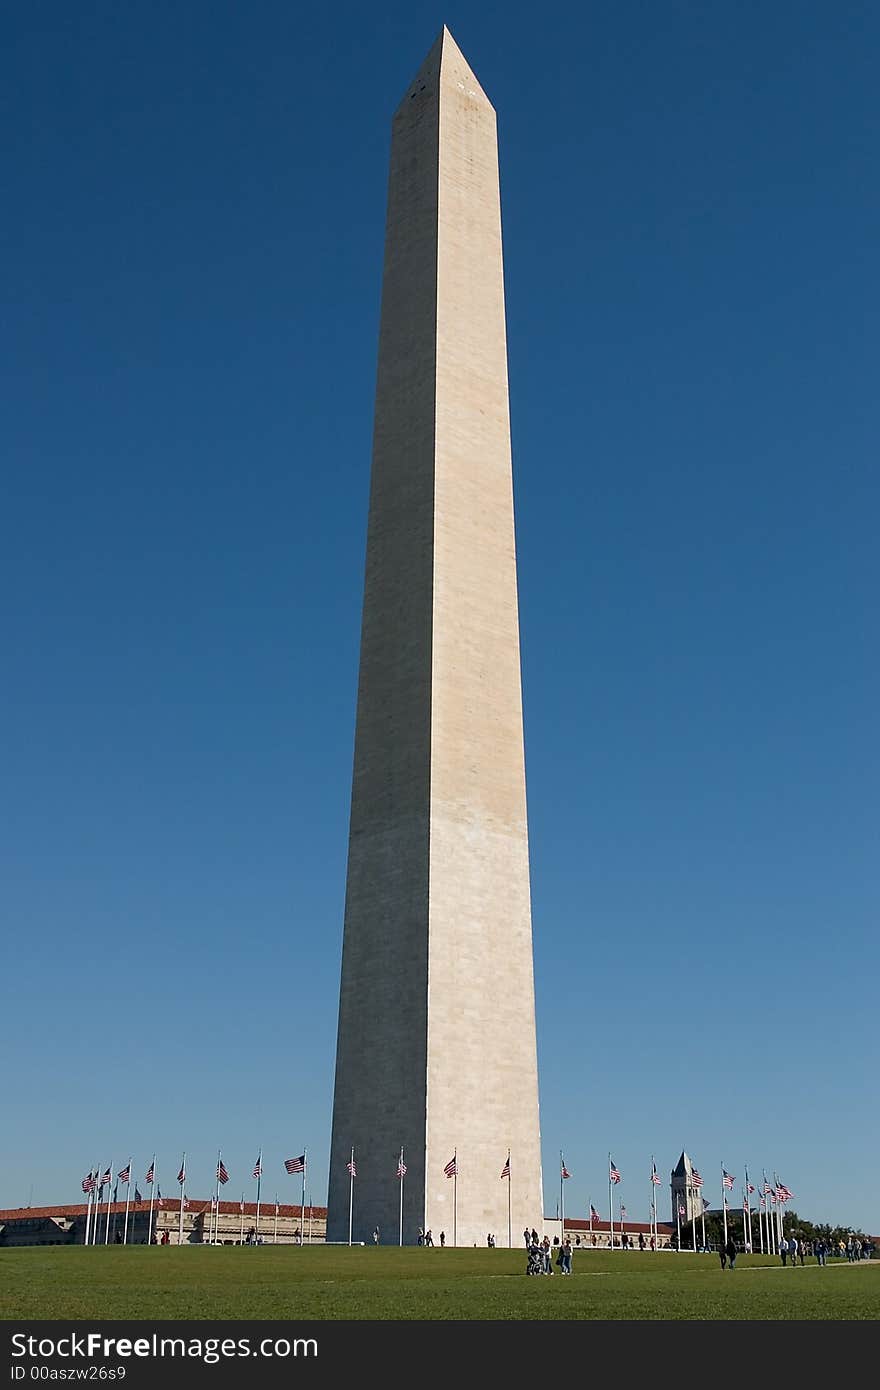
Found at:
<point>436,1050</point>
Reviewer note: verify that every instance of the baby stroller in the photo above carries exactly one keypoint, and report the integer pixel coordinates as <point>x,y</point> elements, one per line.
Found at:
<point>534,1260</point>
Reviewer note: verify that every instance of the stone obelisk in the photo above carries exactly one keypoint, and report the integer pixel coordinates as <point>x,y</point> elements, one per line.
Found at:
<point>436,1050</point>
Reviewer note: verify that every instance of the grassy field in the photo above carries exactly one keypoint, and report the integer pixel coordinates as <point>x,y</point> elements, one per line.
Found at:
<point>329,1282</point>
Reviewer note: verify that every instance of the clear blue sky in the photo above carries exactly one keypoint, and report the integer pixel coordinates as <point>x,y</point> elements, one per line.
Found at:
<point>191,264</point>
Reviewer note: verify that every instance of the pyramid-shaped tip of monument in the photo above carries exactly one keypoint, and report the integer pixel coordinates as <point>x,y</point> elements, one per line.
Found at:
<point>445,62</point>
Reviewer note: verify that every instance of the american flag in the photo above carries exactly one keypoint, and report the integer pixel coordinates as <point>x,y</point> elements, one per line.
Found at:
<point>150,1174</point>
<point>88,1182</point>
<point>622,1212</point>
<point>746,1206</point>
<point>107,1178</point>
<point>137,1195</point>
<point>654,1178</point>
<point>565,1173</point>
<point>763,1203</point>
<point>750,1186</point>
<point>296,1165</point>
<point>451,1169</point>
<point>222,1175</point>
<point>784,1194</point>
<point>181,1176</point>
<point>766,1189</point>
<point>258,1167</point>
<point>352,1168</point>
<point>705,1205</point>
<point>594,1215</point>
<point>681,1210</point>
<point>401,1167</point>
<point>160,1200</point>
<point>125,1175</point>
<point>505,1171</point>
<point>241,1207</point>
<point>613,1174</point>
<point>185,1204</point>
<point>726,1180</point>
<point>695,1178</point>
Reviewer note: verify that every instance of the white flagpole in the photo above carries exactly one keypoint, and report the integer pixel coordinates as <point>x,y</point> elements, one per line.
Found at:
<point>310,1218</point>
<point>275,1227</point>
<point>749,1209</point>
<point>509,1220</point>
<point>152,1190</point>
<point>677,1201</point>
<point>241,1222</point>
<point>761,1223</point>
<point>109,1201</point>
<point>724,1203</point>
<point>591,1217</point>
<point>561,1199</point>
<point>127,1199</point>
<point>88,1211</point>
<point>182,1186</point>
<point>217,1200</point>
<point>302,1208</point>
<point>780,1208</point>
<point>259,1180</point>
<point>610,1207</point>
<point>350,1195</point>
<point>702,1219</point>
<point>455,1200</point>
<point>400,1177</point>
<point>651,1212</point>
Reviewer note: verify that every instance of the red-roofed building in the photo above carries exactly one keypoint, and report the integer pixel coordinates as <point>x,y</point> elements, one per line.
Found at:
<point>66,1225</point>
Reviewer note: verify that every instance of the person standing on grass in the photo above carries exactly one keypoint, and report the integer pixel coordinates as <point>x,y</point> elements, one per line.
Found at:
<point>783,1251</point>
<point>527,1237</point>
<point>731,1251</point>
<point>566,1255</point>
<point>722,1255</point>
<point>442,1239</point>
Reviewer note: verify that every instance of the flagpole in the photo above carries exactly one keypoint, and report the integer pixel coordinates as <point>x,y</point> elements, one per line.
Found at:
<point>780,1208</point>
<point>259,1180</point>
<point>127,1199</point>
<point>678,1224</point>
<point>561,1198</point>
<point>509,1221</point>
<point>109,1201</point>
<point>455,1200</point>
<point>310,1218</point>
<point>241,1222</point>
<point>152,1190</point>
<point>302,1207</point>
<point>610,1207</point>
<point>748,1208</point>
<point>275,1227</point>
<point>88,1210</point>
<point>702,1219</point>
<point>216,1212</point>
<point>723,1204</point>
<point>651,1210</point>
<point>350,1194</point>
<point>182,1186</point>
<point>400,1176</point>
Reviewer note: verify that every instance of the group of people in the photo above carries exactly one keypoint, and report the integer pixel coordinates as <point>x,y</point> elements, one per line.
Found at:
<point>427,1237</point>
<point>539,1254</point>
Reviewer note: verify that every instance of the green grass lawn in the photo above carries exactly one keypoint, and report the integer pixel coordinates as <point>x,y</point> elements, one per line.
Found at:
<point>329,1282</point>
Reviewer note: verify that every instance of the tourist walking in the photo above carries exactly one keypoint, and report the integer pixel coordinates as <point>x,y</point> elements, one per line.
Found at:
<point>731,1252</point>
